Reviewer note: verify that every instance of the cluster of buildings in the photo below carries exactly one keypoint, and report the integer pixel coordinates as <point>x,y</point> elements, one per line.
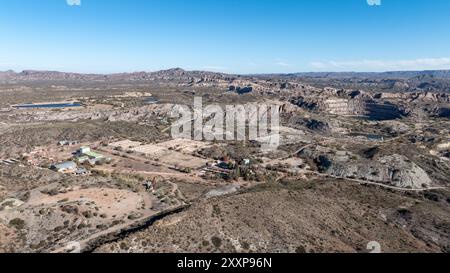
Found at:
<point>84,155</point>
<point>224,166</point>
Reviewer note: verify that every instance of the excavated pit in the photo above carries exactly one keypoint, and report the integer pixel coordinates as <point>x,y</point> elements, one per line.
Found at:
<point>368,109</point>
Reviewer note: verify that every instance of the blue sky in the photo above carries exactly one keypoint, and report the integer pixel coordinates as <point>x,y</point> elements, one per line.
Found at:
<point>234,36</point>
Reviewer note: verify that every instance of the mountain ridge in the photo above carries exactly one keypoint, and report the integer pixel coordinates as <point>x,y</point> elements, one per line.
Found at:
<point>180,72</point>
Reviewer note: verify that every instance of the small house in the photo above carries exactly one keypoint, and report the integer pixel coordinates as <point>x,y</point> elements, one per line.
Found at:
<point>85,154</point>
<point>83,151</point>
<point>65,167</point>
<point>82,159</point>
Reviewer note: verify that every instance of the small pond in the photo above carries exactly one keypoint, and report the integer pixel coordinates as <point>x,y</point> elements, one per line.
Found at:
<point>47,105</point>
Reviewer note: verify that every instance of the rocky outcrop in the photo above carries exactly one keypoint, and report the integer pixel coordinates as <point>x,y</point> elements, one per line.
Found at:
<point>444,113</point>
<point>368,108</point>
<point>309,123</point>
<point>144,113</point>
<point>240,90</point>
<point>344,107</point>
<point>305,103</point>
<point>365,108</point>
<point>394,170</point>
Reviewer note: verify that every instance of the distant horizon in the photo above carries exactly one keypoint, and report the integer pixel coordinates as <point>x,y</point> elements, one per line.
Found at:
<point>219,72</point>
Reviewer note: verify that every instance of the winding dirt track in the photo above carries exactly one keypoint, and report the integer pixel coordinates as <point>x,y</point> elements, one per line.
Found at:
<point>115,231</point>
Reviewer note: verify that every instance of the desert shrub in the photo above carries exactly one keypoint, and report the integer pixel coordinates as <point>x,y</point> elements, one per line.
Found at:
<point>17,223</point>
<point>300,249</point>
<point>216,241</point>
<point>70,209</point>
<point>51,192</point>
<point>87,214</point>
<point>216,210</point>
<point>58,229</point>
<point>245,246</point>
<point>134,216</point>
<point>123,246</point>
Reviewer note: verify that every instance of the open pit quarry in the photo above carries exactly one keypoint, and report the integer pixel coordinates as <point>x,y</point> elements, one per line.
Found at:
<point>363,108</point>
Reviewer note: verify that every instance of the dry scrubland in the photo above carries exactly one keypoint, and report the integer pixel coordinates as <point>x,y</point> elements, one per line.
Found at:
<point>360,160</point>
<point>300,216</point>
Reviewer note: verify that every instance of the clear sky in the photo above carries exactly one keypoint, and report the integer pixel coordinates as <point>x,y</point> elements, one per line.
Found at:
<point>233,36</point>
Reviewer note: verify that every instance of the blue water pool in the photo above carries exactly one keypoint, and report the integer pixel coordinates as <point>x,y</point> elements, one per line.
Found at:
<point>49,105</point>
<point>151,101</point>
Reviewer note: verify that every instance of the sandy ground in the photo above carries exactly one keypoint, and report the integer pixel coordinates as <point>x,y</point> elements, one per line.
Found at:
<point>160,155</point>
<point>7,236</point>
<point>109,201</point>
<point>186,145</point>
<point>100,107</point>
<point>182,145</point>
<point>125,144</point>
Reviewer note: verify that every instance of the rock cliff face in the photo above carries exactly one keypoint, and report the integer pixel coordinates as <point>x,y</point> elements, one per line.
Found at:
<point>368,108</point>
<point>395,170</point>
<point>136,114</point>
<point>365,108</point>
<point>344,107</point>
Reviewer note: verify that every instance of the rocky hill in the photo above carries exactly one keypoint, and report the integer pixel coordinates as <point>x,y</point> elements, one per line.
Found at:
<point>176,73</point>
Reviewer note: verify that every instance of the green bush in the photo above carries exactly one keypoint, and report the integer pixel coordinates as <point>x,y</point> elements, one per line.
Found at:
<point>216,241</point>
<point>17,223</point>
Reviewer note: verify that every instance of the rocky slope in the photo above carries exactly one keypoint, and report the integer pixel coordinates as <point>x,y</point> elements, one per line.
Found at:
<point>395,170</point>
<point>297,216</point>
